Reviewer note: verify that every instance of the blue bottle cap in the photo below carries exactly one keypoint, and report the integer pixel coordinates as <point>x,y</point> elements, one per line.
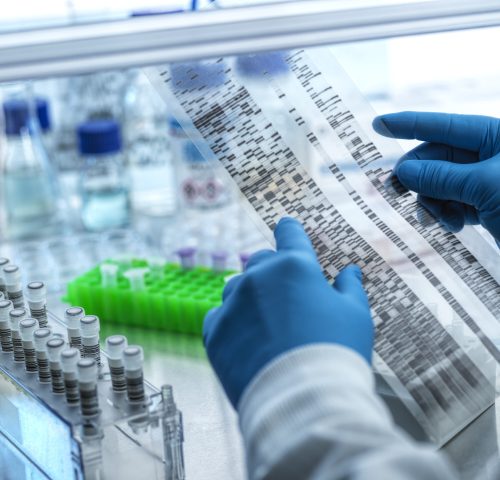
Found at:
<point>97,137</point>
<point>273,63</point>
<point>173,124</point>
<point>188,76</point>
<point>16,114</point>
<point>43,113</point>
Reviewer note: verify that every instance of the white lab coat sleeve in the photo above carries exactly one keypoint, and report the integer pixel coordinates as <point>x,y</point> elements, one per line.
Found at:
<point>312,413</point>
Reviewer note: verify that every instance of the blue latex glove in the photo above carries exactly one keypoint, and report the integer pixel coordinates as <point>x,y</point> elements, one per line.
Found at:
<point>280,302</point>
<point>457,171</point>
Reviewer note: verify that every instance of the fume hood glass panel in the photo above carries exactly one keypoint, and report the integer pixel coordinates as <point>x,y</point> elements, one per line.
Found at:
<point>450,72</point>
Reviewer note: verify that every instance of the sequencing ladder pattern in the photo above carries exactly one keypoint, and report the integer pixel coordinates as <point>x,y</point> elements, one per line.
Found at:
<point>239,135</point>
<point>364,152</point>
<point>387,231</point>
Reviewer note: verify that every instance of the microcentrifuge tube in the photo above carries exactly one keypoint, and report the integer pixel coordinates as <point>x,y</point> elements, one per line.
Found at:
<point>157,268</point>
<point>87,382</point>
<point>133,358</point>
<point>36,295</point>
<point>114,347</point>
<point>41,337</point>
<point>54,348</point>
<point>136,278</point>
<point>12,278</point>
<point>69,360</point>
<point>73,315</point>
<point>109,275</point>
<point>5,332</point>
<point>16,316</point>
<point>187,257</point>
<point>244,257</point>
<point>219,261</point>
<point>27,328</point>
<point>89,327</point>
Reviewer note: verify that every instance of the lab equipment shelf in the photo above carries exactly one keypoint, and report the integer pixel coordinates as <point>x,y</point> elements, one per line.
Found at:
<point>173,299</point>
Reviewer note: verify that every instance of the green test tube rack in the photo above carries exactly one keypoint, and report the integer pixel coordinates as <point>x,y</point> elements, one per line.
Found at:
<point>173,300</point>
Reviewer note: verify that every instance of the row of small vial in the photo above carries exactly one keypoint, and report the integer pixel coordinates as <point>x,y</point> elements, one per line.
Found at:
<point>72,370</point>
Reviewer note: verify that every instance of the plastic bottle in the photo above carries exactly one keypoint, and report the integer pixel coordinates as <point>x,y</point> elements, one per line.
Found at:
<point>29,185</point>
<point>103,183</point>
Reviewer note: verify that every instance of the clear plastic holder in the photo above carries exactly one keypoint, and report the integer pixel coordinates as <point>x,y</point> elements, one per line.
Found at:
<point>436,315</point>
<point>43,437</point>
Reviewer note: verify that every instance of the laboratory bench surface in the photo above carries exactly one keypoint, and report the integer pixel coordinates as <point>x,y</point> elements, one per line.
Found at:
<point>213,446</point>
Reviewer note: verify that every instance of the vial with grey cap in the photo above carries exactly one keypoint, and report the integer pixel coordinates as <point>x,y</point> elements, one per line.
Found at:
<point>41,337</point>
<point>87,382</point>
<point>12,278</point>
<point>27,328</point>
<point>3,262</point>
<point>5,332</point>
<point>89,327</point>
<point>133,358</point>
<point>114,348</point>
<point>73,315</point>
<point>16,316</point>
<point>36,295</point>
<point>69,360</point>
<point>54,348</point>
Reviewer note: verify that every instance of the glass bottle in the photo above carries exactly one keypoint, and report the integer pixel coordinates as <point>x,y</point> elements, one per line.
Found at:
<point>29,185</point>
<point>103,183</point>
<point>148,151</point>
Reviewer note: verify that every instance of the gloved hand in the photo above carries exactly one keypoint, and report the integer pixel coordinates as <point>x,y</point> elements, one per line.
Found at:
<point>457,171</point>
<point>280,302</point>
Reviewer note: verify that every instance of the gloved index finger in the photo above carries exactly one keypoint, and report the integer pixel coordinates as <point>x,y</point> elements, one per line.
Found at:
<point>470,132</point>
<point>290,235</point>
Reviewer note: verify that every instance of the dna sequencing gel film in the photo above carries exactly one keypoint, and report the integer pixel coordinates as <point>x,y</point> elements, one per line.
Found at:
<point>434,295</point>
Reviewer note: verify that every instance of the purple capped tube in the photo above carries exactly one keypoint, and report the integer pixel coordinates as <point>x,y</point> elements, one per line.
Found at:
<point>187,256</point>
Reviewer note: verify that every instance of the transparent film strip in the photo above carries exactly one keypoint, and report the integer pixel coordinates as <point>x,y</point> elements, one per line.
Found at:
<point>301,144</point>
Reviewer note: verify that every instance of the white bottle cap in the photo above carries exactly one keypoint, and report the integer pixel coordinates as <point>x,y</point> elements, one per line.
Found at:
<point>27,328</point>
<point>115,346</point>
<point>69,360</point>
<point>87,370</point>
<point>89,325</point>
<point>16,315</point>
<point>41,336</point>
<point>5,308</point>
<point>133,357</point>
<point>73,315</point>
<point>36,292</point>
<point>11,274</point>
<point>54,348</point>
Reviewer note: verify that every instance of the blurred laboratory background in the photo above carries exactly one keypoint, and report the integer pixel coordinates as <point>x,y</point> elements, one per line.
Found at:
<point>95,166</point>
